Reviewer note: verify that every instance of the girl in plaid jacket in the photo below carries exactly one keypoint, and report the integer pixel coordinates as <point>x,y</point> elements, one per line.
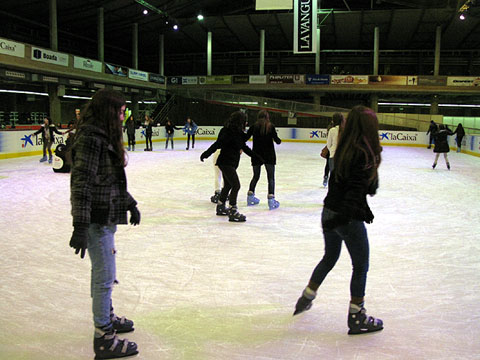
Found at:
<point>100,201</point>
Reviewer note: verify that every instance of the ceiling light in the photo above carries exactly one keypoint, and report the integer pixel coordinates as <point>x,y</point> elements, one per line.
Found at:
<point>145,12</point>
<point>200,17</point>
<point>462,17</point>
<point>175,27</point>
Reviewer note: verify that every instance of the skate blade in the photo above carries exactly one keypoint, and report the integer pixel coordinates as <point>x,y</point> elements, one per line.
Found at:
<point>350,332</point>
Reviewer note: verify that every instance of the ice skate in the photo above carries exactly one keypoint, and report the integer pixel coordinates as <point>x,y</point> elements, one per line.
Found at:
<point>121,325</point>
<point>325,181</point>
<point>128,148</point>
<point>304,302</point>
<point>272,203</point>
<point>433,166</point>
<point>109,346</point>
<point>221,209</point>
<point>448,166</point>
<point>214,198</point>
<point>251,199</point>
<point>360,323</point>
<point>235,216</point>
<point>50,159</point>
<point>43,159</point>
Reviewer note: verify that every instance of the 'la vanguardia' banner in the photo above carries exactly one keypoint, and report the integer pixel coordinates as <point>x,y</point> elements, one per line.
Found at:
<point>304,26</point>
<point>12,48</point>
<point>463,81</point>
<point>49,56</point>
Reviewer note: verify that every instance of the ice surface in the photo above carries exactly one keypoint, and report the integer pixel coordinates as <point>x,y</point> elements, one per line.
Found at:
<point>199,287</point>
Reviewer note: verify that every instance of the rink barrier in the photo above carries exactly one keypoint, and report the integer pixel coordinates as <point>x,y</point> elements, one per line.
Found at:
<point>21,143</point>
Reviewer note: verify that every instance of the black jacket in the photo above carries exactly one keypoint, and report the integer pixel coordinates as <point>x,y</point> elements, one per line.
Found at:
<point>129,127</point>
<point>263,145</point>
<point>348,196</point>
<point>230,143</point>
<point>170,129</point>
<point>441,141</point>
<point>52,129</point>
<point>460,131</point>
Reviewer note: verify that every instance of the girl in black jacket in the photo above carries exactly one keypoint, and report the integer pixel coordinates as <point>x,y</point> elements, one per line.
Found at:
<point>170,130</point>
<point>264,134</point>
<point>460,131</point>
<point>441,144</point>
<point>48,138</point>
<point>148,133</point>
<point>354,176</point>
<point>231,142</point>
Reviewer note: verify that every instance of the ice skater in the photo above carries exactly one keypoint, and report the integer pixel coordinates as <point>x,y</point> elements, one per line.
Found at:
<point>48,131</point>
<point>231,142</point>
<point>345,210</point>
<point>460,131</point>
<point>100,202</point>
<point>441,145</point>
<point>190,129</point>
<point>148,133</point>
<point>432,129</point>
<point>264,134</point>
<point>130,129</point>
<point>217,179</point>
<point>170,130</point>
<point>332,141</point>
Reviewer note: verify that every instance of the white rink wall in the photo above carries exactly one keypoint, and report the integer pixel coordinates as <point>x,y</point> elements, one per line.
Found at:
<point>21,143</point>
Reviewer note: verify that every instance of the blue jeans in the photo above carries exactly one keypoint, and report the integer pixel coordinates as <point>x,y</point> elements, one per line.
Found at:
<point>169,137</point>
<point>355,236</point>
<point>101,249</point>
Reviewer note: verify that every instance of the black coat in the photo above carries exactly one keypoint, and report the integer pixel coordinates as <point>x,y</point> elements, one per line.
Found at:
<point>263,145</point>
<point>170,129</point>
<point>230,143</point>
<point>51,129</point>
<point>441,141</point>
<point>348,196</point>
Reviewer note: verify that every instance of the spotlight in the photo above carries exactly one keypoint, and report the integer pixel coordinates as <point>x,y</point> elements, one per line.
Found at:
<point>145,12</point>
<point>175,27</point>
<point>462,17</point>
<point>200,17</point>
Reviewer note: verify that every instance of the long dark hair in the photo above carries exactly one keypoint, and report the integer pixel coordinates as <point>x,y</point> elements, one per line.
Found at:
<point>360,135</point>
<point>263,122</point>
<point>236,121</point>
<point>103,112</point>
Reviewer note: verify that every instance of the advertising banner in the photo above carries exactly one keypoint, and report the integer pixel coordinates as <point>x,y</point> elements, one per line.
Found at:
<point>116,70</point>
<point>189,80</point>
<point>432,80</point>
<point>137,75</point>
<point>314,79</point>
<point>349,79</point>
<point>240,79</point>
<point>156,78</point>
<point>412,80</point>
<point>304,26</point>
<point>286,79</point>
<point>175,80</point>
<point>215,80</point>
<point>49,56</point>
<point>16,74</point>
<point>87,64</point>
<point>12,48</point>
<point>387,80</point>
<point>463,81</point>
<point>257,79</point>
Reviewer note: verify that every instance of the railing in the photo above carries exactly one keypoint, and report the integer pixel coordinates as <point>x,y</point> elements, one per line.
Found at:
<point>160,116</point>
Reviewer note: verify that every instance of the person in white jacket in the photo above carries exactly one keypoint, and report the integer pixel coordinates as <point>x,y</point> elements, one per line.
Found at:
<point>332,139</point>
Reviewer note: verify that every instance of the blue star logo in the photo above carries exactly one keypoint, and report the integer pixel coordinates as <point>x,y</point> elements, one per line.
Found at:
<point>27,140</point>
<point>384,136</point>
<point>143,133</point>
<point>314,134</point>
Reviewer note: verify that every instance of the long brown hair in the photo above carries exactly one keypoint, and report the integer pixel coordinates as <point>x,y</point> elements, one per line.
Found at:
<point>103,111</point>
<point>263,122</point>
<point>360,135</point>
<point>236,121</point>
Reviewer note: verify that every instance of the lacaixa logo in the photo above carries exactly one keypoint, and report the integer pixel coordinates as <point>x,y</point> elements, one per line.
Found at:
<point>37,54</point>
<point>398,136</point>
<point>26,140</point>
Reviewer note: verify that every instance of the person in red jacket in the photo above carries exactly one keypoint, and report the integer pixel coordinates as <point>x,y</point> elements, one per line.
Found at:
<point>100,202</point>
<point>345,211</point>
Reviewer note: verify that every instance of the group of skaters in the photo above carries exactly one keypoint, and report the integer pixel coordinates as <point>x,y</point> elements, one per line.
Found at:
<point>130,127</point>
<point>439,137</point>
<point>97,208</point>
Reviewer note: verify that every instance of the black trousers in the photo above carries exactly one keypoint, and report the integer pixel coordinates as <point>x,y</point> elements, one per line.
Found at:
<point>270,177</point>
<point>231,184</point>
<point>131,139</point>
<point>188,140</point>
<point>148,138</point>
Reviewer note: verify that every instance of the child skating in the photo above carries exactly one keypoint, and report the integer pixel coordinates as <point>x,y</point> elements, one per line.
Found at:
<point>441,144</point>
<point>48,131</point>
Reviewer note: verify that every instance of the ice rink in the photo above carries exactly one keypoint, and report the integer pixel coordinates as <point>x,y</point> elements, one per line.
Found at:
<point>199,287</point>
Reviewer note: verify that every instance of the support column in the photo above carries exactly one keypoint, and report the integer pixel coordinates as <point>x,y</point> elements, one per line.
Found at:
<point>374,102</point>
<point>53,25</point>
<point>376,49</point>
<point>262,52</point>
<point>317,54</point>
<point>55,108</point>
<point>161,54</point>
<point>317,98</point>
<point>209,53</point>
<point>100,35</point>
<point>135,45</point>
<point>434,105</point>
<point>438,42</point>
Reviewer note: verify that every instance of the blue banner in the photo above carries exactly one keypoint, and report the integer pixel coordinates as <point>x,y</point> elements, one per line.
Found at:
<point>315,79</point>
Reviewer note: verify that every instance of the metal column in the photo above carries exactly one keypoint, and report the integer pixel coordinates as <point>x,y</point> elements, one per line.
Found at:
<point>161,55</point>
<point>100,35</point>
<point>209,53</point>
<point>376,49</point>
<point>262,52</point>
<point>438,41</point>
<point>135,45</point>
<point>53,25</point>
<point>317,54</point>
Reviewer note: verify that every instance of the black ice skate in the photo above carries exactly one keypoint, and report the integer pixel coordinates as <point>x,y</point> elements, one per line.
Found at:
<point>121,325</point>
<point>304,303</point>
<point>221,209</point>
<point>360,323</point>
<point>235,216</point>
<point>215,197</point>
<point>109,346</point>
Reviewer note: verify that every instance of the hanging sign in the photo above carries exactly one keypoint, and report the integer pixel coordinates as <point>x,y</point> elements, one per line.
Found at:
<point>304,26</point>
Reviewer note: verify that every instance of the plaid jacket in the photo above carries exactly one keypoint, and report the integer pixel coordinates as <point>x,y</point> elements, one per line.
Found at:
<point>98,187</point>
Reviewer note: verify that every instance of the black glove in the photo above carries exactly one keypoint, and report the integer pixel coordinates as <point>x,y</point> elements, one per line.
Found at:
<point>79,239</point>
<point>203,157</point>
<point>369,216</point>
<point>134,215</point>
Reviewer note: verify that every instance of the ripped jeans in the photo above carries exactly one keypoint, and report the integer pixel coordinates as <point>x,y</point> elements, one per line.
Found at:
<point>101,249</point>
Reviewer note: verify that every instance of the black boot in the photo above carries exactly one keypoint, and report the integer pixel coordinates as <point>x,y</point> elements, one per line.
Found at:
<point>121,325</point>
<point>304,302</point>
<point>360,323</point>
<point>214,198</point>
<point>109,346</point>
<point>235,216</point>
<point>221,209</point>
